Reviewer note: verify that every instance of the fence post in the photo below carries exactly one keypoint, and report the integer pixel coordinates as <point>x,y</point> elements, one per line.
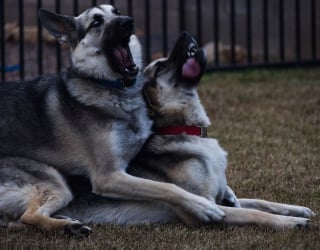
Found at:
<point>313,29</point>
<point>265,31</point>
<point>232,31</point>
<point>182,21</point>
<point>199,22</point>
<point>249,32</point>
<point>281,31</point>
<point>216,31</point>
<point>2,41</point>
<point>21,39</point>
<point>297,27</point>
<point>147,29</point>
<point>164,28</point>
<point>39,51</point>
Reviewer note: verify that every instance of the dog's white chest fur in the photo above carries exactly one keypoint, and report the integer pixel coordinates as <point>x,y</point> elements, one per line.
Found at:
<point>128,138</point>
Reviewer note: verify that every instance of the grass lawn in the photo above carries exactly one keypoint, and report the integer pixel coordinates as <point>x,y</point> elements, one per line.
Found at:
<point>269,122</point>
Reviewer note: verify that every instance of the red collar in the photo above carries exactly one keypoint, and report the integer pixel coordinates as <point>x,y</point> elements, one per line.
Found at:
<point>178,130</point>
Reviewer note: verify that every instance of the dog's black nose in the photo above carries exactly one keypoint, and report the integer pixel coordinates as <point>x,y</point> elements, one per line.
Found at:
<point>119,30</point>
<point>126,22</point>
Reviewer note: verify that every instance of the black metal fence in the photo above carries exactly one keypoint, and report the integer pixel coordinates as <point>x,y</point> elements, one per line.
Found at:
<point>235,33</point>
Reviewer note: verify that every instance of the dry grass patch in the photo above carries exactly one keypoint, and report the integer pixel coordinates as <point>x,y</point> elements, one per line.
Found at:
<point>269,122</point>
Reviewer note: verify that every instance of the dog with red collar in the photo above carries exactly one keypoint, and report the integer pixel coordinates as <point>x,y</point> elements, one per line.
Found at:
<point>180,153</point>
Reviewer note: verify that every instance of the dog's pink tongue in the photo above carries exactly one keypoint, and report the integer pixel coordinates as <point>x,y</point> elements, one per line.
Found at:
<point>121,54</point>
<point>191,68</point>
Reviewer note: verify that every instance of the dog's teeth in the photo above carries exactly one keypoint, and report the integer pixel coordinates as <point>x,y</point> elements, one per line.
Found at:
<point>191,46</point>
<point>192,50</point>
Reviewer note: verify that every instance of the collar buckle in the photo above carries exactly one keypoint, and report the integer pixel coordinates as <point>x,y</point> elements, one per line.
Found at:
<point>203,132</point>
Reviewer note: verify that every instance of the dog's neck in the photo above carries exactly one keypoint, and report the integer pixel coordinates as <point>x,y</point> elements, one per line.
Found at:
<point>189,117</point>
<point>116,83</point>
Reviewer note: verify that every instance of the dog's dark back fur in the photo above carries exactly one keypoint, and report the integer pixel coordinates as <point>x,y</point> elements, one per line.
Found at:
<point>25,124</point>
<point>90,121</point>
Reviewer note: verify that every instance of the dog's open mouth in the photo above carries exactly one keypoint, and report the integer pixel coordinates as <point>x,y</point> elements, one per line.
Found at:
<point>117,48</point>
<point>191,69</point>
<point>188,58</point>
<point>124,62</point>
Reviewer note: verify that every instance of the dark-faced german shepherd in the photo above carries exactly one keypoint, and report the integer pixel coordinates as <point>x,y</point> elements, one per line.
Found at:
<point>178,152</point>
<point>90,121</point>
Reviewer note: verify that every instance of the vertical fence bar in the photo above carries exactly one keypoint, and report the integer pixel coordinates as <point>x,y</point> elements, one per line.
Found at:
<point>182,19</point>
<point>164,28</point>
<point>297,27</point>
<point>21,40</point>
<point>2,41</point>
<point>130,12</point>
<point>281,31</point>
<point>313,30</point>
<point>199,22</point>
<point>232,31</point>
<point>249,32</point>
<point>265,31</point>
<point>39,42</point>
<point>147,31</point>
<point>75,7</point>
<point>111,2</point>
<point>58,48</point>
<point>216,31</point>
<point>94,2</point>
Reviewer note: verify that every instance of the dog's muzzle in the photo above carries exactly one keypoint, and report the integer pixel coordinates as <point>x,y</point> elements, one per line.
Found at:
<point>188,58</point>
<point>116,46</point>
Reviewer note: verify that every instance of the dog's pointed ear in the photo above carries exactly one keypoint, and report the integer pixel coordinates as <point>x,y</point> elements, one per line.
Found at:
<point>59,26</point>
<point>150,70</point>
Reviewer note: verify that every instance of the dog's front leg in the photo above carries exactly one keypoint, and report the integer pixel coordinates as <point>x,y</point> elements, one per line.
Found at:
<point>276,208</point>
<point>244,216</point>
<point>122,185</point>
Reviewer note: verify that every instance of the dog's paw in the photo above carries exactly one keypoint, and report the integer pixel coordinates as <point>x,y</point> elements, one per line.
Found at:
<point>295,222</point>
<point>299,211</point>
<point>75,228</point>
<point>78,230</point>
<point>204,210</point>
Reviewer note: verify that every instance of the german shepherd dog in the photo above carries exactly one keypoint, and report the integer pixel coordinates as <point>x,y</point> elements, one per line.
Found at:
<point>90,121</point>
<point>180,153</point>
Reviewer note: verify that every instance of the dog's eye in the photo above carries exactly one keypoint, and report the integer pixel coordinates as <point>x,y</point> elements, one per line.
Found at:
<point>95,24</point>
